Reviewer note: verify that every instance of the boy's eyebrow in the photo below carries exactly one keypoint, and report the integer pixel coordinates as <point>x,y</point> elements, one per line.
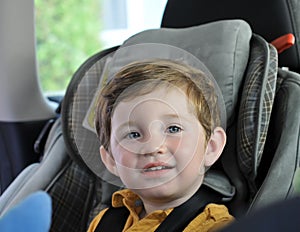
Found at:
<point>171,116</point>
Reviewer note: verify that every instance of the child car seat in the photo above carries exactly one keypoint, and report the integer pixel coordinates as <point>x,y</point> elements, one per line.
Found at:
<point>245,67</point>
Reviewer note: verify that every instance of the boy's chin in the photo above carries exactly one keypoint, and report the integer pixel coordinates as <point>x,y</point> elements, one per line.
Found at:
<point>159,191</point>
<point>144,185</point>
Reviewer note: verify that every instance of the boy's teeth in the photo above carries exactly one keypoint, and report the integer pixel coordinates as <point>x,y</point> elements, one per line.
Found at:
<point>155,168</point>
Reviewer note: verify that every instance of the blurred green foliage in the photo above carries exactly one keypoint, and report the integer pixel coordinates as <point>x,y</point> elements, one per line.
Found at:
<point>67,33</point>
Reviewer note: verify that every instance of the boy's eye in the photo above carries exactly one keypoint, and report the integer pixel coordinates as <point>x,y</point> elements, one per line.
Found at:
<point>174,129</point>
<point>134,135</point>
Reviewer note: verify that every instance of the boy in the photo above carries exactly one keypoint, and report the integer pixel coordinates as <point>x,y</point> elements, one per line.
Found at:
<point>159,127</point>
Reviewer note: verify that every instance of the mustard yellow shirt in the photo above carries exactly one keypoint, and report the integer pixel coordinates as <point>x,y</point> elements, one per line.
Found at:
<point>212,218</point>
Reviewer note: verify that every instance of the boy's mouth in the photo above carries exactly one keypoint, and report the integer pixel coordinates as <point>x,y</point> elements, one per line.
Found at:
<point>156,167</point>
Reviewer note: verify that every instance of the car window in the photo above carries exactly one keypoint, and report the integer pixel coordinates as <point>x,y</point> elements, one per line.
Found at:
<point>68,32</point>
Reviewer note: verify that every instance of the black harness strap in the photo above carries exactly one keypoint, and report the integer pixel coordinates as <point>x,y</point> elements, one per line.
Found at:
<point>115,218</point>
<point>182,215</point>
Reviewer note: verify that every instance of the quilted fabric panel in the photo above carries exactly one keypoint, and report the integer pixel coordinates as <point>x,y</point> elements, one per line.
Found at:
<point>81,140</point>
<point>70,199</point>
<point>256,107</point>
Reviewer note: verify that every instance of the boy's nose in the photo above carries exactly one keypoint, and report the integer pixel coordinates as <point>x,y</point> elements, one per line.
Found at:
<point>154,145</point>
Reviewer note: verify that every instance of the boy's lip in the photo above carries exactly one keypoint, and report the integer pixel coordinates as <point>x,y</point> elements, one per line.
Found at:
<point>157,166</point>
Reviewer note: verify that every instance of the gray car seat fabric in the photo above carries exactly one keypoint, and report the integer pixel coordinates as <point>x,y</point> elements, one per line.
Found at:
<point>245,67</point>
<point>255,108</point>
<point>282,149</point>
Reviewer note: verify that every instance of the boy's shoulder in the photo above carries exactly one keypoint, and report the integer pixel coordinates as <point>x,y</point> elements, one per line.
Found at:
<point>213,217</point>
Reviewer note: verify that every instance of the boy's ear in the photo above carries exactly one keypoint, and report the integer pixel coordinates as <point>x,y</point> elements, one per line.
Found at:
<point>215,146</point>
<point>108,161</point>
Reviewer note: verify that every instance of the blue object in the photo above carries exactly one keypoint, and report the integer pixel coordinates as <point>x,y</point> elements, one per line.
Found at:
<point>32,214</point>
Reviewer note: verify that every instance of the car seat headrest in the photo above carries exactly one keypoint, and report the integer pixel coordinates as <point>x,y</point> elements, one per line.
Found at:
<point>225,54</point>
<point>222,46</point>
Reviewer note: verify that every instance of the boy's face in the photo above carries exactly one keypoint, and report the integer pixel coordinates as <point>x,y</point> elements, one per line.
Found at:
<point>158,146</point>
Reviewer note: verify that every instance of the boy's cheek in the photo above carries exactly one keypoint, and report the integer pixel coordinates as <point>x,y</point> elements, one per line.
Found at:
<point>123,158</point>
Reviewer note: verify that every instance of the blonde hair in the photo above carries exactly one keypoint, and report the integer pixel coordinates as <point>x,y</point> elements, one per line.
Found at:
<point>142,78</point>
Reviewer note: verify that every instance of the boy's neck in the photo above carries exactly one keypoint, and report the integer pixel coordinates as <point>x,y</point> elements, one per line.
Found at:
<point>163,204</point>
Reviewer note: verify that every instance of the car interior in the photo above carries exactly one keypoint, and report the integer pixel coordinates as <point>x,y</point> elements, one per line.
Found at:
<point>260,82</point>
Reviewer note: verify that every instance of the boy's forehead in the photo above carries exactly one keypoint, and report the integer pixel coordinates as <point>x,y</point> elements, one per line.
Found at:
<point>169,101</point>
